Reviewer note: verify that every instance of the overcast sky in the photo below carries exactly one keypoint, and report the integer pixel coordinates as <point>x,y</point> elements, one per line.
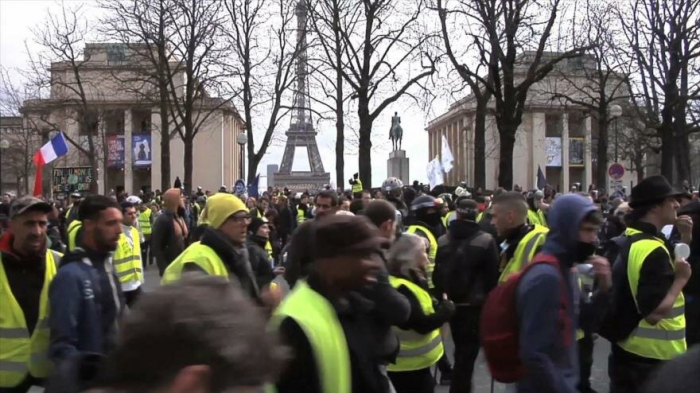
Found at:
<point>18,17</point>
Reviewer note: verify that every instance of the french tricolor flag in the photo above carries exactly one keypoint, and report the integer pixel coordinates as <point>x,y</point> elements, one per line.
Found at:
<point>55,148</point>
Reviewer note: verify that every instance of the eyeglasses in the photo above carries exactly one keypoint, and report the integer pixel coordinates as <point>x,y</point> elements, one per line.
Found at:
<point>240,219</point>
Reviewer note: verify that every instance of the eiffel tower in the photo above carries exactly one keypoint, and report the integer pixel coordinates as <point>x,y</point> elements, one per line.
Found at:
<point>301,131</point>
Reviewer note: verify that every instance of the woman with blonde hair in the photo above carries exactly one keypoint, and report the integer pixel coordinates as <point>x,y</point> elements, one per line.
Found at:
<point>421,344</point>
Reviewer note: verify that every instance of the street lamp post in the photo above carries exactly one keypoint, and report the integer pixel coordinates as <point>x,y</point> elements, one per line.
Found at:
<point>241,139</point>
<point>615,113</point>
<point>4,144</point>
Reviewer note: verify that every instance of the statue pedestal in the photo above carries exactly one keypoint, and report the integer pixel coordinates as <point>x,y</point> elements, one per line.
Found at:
<point>397,166</point>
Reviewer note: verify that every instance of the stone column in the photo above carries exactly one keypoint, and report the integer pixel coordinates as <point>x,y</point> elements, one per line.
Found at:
<point>100,153</point>
<point>155,150</point>
<point>539,132</point>
<point>128,153</point>
<point>565,151</point>
<point>587,157</point>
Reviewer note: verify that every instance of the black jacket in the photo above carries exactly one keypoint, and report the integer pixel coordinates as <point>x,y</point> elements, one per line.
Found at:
<point>477,270</point>
<point>301,373</point>
<point>259,261</point>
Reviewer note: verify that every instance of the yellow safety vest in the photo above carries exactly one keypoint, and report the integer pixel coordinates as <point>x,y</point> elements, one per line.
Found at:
<point>357,187</point>
<point>447,218</point>
<point>300,216</point>
<point>666,339</point>
<point>202,255</point>
<point>268,249</point>
<point>432,249</point>
<point>319,321</point>
<point>145,221</point>
<point>127,256</point>
<point>579,332</point>
<point>73,229</point>
<point>480,217</point>
<point>417,351</point>
<point>19,353</point>
<point>533,218</point>
<point>524,252</point>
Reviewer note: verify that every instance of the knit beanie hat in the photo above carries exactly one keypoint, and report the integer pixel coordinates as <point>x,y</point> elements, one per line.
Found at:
<point>256,223</point>
<point>220,207</point>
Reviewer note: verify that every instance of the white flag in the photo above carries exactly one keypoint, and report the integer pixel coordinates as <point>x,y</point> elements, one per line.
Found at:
<point>435,177</point>
<point>447,158</point>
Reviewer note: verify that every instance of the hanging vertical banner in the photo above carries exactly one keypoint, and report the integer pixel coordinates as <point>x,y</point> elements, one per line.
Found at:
<point>115,151</point>
<point>552,150</point>
<point>141,146</point>
<point>576,146</point>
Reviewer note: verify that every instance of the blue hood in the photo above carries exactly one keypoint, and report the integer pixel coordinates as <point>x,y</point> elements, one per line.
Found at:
<point>564,220</point>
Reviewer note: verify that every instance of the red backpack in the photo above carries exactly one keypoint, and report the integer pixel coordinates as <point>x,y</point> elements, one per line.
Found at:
<point>499,330</point>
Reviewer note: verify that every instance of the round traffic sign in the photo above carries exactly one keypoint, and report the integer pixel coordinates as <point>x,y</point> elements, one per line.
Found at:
<point>616,171</point>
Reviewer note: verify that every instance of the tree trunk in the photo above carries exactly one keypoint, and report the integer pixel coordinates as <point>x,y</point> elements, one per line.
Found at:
<point>480,143</point>
<point>667,152</point>
<point>365,151</point>
<point>505,160</point>
<point>339,129</point>
<point>602,170</point>
<point>682,156</point>
<point>339,148</point>
<point>164,138</point>
<point>189,146</point>
<point>252,169</point>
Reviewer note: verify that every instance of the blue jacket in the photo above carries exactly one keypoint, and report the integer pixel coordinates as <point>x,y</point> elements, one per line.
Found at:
<point>86,302</point>
<point>552,368</point>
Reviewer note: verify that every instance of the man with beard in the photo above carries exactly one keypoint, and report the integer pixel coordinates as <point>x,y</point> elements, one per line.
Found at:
<point>127,258</point>
<point>299,252</point>
<point>170,231</point>
<point>520,240</point>
<point>26,270</point>
<point>85,297</point>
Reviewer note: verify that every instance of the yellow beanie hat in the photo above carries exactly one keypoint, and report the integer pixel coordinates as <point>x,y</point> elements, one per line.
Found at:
<point>219,208</point>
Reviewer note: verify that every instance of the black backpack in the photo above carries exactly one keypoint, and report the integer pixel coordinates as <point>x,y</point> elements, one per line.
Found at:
<point>457,272</point>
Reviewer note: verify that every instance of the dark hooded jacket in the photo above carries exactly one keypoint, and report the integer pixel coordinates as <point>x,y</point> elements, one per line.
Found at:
<point>477,271</point>
<point>552,366</point>
<point>86,303</point>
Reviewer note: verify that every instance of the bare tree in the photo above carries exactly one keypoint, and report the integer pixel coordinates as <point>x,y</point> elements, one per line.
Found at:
<point>518,34</point>
<point>201,53</point>
<point>264,67</point>
<point>24,141</point>
<point>598,82</point>
<point>385,56</point>
<point>636,144</point>
<point>63,38</point>
<point>662,47</point>
<point>326,22</point>
<point>486,62</point>
<point>147,28</point>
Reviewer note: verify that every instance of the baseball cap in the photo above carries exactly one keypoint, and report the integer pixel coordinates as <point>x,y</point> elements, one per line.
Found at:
<point>220,207</point>
<point>29,203</point>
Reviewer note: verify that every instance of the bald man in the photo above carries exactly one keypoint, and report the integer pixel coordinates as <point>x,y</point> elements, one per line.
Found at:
<point>170,231</point>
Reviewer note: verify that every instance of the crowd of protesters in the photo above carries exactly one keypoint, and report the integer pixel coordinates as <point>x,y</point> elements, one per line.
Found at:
<point>338,291</point>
